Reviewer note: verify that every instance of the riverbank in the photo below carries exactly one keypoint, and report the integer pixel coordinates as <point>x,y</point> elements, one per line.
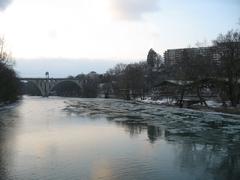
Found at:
<point>213,106</point>
<point>7,104</point>
<point>3,104</point>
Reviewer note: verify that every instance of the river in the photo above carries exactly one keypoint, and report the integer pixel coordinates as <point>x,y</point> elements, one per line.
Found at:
<point>69,138</point>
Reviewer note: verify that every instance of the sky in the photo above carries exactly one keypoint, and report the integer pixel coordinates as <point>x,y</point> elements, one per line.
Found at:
<point>68,37</point>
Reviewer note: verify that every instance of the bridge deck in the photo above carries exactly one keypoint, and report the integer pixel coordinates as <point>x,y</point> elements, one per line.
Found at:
<point>26,79</point>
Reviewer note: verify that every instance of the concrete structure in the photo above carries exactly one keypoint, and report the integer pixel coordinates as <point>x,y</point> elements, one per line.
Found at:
<point>173,56</point>
<point>46,85</point>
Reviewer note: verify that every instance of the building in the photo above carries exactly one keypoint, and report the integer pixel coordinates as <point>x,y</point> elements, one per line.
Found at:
<point>174,56</point>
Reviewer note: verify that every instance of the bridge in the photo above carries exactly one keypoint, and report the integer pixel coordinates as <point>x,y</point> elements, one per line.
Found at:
<point>46,85</point>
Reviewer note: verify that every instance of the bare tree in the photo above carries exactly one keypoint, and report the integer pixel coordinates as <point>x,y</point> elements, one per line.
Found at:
<point>9,88</point>
<point>5,57</point>
<point>228,46</point>
<point>134,80</point>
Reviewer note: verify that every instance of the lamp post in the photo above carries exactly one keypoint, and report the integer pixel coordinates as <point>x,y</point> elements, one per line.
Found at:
<point>47,75</point>
<point>47,84</point>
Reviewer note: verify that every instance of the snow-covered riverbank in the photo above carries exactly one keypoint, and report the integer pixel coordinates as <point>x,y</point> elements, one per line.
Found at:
<point>212,105</point>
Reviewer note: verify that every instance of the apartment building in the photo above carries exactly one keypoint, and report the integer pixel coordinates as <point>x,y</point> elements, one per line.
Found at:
<point>173,56</point>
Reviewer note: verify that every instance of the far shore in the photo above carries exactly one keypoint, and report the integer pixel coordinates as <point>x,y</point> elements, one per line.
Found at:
<point>212,106</point>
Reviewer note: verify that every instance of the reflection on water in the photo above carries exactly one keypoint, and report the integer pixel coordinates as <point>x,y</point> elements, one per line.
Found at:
<point>153,132</point>
<point>67,138</point>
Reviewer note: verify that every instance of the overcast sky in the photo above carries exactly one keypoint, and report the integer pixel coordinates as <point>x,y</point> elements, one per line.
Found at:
<point>66,34</point>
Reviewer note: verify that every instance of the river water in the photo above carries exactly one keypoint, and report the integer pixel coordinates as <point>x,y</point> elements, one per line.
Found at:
<point>69,138</point>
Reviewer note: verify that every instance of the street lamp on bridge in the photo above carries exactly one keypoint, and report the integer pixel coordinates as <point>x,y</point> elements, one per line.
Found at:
<point>47,75</point>
<point>47,88</point>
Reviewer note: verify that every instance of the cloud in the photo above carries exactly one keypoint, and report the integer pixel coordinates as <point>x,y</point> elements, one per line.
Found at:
<point>134,9</point>
<point>4,4</point>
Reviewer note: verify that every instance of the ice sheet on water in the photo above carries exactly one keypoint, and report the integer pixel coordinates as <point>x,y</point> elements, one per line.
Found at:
<point>176,121</point>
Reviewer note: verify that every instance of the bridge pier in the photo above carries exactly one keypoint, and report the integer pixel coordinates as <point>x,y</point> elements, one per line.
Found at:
<point>42,86</point>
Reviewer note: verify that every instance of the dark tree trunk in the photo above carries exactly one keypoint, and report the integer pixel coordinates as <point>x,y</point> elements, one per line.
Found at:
<point>233,97</point>
<point>202,100</point>
<point>181,98</point>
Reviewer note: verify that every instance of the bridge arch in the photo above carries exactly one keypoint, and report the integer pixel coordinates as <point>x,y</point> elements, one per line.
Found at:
<point>36,85</point>
<point>66,80</point>
<point>66,83</point>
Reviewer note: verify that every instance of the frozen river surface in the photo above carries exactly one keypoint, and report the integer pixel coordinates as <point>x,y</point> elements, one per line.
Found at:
<point>69,138</point>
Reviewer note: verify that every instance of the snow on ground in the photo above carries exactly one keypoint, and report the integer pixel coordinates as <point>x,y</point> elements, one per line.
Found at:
<point>214,104</point>
<point>163,101</point>
<point>168,101</point>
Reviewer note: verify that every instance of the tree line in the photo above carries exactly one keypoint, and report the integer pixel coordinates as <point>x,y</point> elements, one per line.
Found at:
<point>194,73</point>
<point>221,75</point>
<point>9,83</point>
